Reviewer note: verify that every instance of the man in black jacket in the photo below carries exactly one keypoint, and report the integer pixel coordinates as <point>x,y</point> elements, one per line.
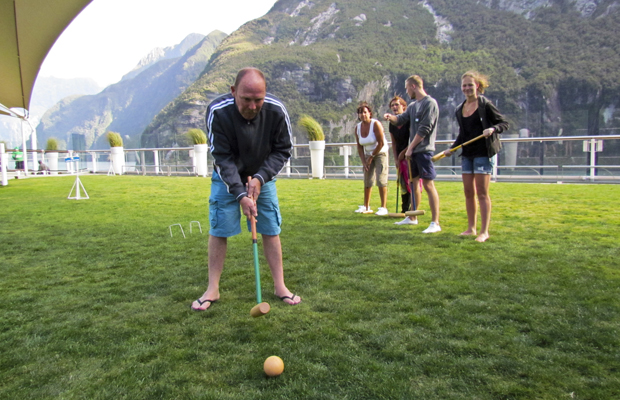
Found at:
<point>249,132</point>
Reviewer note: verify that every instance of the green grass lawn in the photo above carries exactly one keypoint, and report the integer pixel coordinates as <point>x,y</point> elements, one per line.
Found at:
<point>95,296</point>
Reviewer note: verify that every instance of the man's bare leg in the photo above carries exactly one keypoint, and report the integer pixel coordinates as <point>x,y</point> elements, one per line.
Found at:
<point>469,189</point>
<point>433,199</point>
<point>482,187</point>
<point>417,195</point>
<point>273,254</point>
<point>216,257</point>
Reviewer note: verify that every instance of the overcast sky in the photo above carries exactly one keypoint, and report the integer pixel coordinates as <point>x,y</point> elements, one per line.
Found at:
<point>110,37</point>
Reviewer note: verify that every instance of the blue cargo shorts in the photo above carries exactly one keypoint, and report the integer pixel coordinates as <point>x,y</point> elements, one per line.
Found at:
<point>225,211</point>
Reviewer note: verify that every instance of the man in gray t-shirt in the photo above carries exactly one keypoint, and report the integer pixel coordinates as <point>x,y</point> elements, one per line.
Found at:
<point>422,116</point>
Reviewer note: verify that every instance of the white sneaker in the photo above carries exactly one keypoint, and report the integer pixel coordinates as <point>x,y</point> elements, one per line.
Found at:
<point>432,228</point>
<point>360,209</point>
<point>407,221</point>
<point>382,211</point>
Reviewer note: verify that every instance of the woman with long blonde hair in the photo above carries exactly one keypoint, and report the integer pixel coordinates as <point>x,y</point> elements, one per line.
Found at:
<point>477,116</point>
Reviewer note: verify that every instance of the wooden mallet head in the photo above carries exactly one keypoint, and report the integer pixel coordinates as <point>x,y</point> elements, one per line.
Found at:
<point>414,213</point>
<point>260,309</point>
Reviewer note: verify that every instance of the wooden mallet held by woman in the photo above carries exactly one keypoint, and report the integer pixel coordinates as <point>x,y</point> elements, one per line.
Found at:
<point>441,155</point>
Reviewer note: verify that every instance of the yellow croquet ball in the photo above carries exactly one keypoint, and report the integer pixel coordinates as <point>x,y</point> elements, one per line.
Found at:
<point>273,366</point>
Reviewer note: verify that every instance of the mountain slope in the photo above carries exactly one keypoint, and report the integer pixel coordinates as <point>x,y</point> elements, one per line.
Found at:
<point>47,92</point>
<point>549,60</point>
<point>158,54</point>
<point>128,106</point>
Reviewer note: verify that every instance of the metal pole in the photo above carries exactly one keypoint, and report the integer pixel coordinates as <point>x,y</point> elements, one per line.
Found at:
<point>34,144</point>
<point>346,151</point>
<point>69,163</point>
<point>4,159</point>
<point>541,159</point>
<point>24,150</point>
<point>592,158</point>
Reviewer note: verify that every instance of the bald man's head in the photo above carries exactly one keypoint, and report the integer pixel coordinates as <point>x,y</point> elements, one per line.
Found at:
<point>249,92</point>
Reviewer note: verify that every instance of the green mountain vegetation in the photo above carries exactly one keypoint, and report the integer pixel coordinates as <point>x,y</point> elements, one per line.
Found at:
<point>552,64</point>
<point>129,106</point>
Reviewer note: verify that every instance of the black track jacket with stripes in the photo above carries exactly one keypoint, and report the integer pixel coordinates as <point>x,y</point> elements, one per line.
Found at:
<point>258,148</point>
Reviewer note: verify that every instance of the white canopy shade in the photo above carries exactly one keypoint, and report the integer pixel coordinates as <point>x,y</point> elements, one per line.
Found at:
<point>28,29</point>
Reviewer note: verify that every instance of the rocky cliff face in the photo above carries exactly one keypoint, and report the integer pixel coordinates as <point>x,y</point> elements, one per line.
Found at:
<point>528,8</point>
<point>323,57</point>
<point>158,54</point>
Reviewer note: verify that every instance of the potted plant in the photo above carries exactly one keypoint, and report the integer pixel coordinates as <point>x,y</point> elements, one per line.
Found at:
<point>316,139</point>
<point>199,140</point>
<point>116,151</point>
<point>51,153</point>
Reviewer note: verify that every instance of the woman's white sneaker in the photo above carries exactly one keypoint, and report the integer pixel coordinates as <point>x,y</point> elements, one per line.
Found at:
<point>407,221</point>
<point>382,211</point>
<point>432,228</point>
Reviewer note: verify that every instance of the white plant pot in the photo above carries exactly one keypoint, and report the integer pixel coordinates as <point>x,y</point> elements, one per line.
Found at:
<point>200,159</point>
<point>510,149</point>
<point>52,162</point>
<point>118,160</point>
<point>317,152</point>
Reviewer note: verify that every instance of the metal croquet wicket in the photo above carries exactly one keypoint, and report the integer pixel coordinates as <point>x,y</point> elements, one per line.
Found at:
<point>194,222</point>
<point>191,223</point>
<point>180,227</point>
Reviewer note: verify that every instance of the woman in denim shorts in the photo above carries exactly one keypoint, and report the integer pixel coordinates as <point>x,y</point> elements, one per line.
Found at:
<point>477,116</point>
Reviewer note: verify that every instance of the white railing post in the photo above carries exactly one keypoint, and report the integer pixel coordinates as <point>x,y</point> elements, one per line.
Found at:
<point>345,151</point>
<point>4,160</point>
<point>156,161</point>
<point>93,157</point>
<point>142,162</point>
<point>69,164</point>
